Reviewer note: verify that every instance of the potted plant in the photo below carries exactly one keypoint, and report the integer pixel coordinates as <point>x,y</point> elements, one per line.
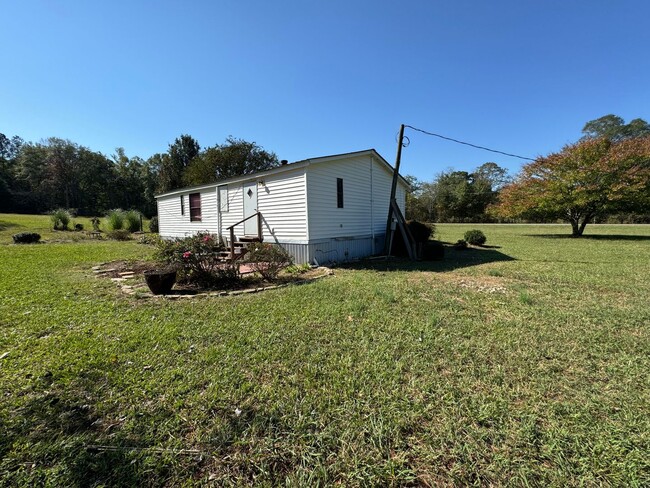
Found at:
<point>160,281</point>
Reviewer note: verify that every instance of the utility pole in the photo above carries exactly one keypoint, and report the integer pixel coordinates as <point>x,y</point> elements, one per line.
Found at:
<point>393,189</point>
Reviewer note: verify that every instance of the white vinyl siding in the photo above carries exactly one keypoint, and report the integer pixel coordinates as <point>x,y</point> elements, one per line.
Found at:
<point>355,219</point>
<point>235,208</point>
<point>282,202</point>
<point>172,224</point>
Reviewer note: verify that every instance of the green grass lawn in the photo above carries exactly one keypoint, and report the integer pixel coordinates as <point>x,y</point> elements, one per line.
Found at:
<point>526,363</point>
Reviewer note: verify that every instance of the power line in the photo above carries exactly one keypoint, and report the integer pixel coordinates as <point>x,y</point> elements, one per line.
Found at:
<point>469,144</point>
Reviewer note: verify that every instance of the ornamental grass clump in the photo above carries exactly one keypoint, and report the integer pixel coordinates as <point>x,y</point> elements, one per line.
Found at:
<point>132,220</point>
<point>267,259</point>
<point>60,219</point>
<point>115,219</point>
<point>196,259</point>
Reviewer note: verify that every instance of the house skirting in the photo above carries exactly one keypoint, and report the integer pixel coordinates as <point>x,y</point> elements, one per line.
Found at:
<point>335,250</point>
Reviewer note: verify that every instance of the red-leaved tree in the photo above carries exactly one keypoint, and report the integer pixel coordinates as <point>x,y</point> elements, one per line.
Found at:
<point>590,178</point>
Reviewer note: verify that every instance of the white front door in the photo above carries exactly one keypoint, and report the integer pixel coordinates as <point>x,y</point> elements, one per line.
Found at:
<point>250,207</point>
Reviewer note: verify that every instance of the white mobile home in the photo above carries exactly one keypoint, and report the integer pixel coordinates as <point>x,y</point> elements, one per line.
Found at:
<point>327,209</point>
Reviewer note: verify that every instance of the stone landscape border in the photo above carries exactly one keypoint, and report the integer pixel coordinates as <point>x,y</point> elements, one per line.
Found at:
<point>141,291</point>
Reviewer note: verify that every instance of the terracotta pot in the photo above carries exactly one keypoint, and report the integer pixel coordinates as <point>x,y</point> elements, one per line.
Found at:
<point>160,282</point>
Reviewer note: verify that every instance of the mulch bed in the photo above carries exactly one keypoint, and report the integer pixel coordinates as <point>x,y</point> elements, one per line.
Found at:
<point>129,276</point>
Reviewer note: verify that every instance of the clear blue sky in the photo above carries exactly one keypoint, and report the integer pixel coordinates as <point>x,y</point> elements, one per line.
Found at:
<point>311,78</point>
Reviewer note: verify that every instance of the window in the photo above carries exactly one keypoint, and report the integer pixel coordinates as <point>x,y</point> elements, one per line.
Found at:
<point>223,198</point>
<point>195,207</point>
<point>182,206</point>
<point>339,192</point>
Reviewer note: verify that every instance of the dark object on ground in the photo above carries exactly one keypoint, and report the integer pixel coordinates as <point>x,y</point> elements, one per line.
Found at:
<point>26,238</point>
<point>420,232</point>
<point>78,227</point>
<point>95,221</point>
<point>475,237</point>
<point>460,245</point>
<point>153,224</point>
<point>433,251</point>
<point>161,281</point>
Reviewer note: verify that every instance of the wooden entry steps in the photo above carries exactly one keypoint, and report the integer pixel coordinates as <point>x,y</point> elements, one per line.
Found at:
<point>238,249</point>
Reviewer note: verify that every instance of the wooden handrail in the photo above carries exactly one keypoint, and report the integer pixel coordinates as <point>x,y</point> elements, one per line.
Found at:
<point>232,231</point>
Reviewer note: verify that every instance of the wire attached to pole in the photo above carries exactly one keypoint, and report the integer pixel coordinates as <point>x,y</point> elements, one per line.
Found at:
<point>469,144</point>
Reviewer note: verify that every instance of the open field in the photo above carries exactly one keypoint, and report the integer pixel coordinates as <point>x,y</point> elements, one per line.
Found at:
<point>523,364</point>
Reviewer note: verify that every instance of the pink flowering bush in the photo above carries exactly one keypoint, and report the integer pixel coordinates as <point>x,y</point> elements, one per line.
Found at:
<point>268,259</point>
<point>196,259</point>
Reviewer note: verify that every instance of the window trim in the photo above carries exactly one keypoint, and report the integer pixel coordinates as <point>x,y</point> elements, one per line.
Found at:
<point>194,216</point>
<point>339,193</point>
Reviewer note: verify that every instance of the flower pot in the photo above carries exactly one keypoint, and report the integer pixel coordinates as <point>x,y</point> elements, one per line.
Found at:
<point>160,282</point>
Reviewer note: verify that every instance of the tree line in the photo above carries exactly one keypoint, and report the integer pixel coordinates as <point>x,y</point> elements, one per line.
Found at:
<point>604,175</point>
<point>58,173</point>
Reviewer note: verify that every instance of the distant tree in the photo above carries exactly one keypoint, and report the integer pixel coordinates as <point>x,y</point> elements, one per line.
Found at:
<point>9,149</point>
<point>179,156</point>
<point>614,128</point>
<point>236,157</point>
<point>59,173</point>
<point>414,204</point>
<point>590,178</point>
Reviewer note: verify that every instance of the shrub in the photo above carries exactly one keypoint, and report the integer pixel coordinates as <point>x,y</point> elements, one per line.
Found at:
<point>60,219</point>
<point>119,235</point>
<point>78,227</point>
<point>153,224</point>
<point>26,238</point>
<point>267,259</point>
<point>475,237</point>
<point>115,219</point>
<point>152,240</point>
<point>460,244</point>
<point>420,232</point>
<point>197,260</point>
<point>433,251</point>
<point>132,220</point>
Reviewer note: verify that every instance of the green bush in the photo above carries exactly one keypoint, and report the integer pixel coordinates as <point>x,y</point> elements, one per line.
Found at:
<point>267,259</point>
<point>119,235</point>
<point>115,219</point>
<point>60,219</point>
<point>475,237</point>
<point>26,238</point>
<point>132,220</point>
<point>460,244</point>
<point>419,230</point>
<point>153,224</point>
<point>197,260</point>
<point>433,251</point>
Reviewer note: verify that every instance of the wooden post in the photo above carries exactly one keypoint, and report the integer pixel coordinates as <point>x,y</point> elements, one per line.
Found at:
<point>393,190</point>
<point>259,226</point>
<point>232,243</point>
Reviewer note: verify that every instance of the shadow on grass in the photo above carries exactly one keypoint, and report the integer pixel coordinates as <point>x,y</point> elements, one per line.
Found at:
<point>595,237</point>
<point>454,259</point>
<point>58,426</point>
<point>4,225</point>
